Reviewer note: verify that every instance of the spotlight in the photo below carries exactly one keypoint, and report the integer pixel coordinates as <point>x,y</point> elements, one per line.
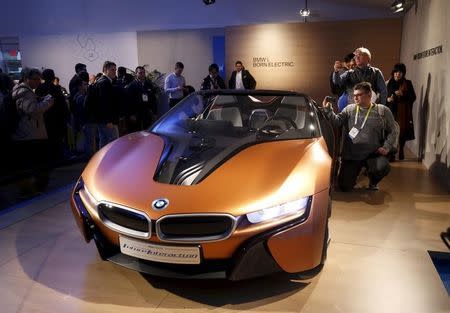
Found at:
<point>398,6</point>
<point>304,12</point>
<point>209,2</point>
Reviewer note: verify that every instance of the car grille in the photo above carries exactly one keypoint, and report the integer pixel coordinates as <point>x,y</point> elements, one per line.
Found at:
<point>195,227</point>
<point>114,216</point>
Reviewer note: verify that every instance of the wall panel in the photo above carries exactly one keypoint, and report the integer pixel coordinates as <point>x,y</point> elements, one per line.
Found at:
<point>62,52</point>
<point>427,26</point>
<point>162,49</point>
<point>312,47</point>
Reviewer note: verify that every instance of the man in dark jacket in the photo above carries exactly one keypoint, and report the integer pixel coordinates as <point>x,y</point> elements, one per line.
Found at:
<point>213,80</point>
<point>79,67</point>
<point>141,106</point>
<point>241,78</point>
<point>107,105</point>
<point>57,116</point>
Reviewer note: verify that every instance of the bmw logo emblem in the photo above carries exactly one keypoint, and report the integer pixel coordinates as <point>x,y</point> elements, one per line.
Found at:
<point>160,204</point>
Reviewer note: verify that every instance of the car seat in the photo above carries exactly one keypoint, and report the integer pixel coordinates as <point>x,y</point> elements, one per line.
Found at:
<point>231,114</point>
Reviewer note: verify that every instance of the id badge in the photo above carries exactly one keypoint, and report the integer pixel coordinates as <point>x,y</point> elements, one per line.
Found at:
<point>145,97</point>
<point>353,133</point>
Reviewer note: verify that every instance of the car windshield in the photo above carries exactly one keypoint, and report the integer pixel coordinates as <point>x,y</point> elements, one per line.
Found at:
<point>204,130</point>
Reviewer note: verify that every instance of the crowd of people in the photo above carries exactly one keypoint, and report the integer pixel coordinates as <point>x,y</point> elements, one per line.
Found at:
<point>43,124</point>
<point>39,117</point>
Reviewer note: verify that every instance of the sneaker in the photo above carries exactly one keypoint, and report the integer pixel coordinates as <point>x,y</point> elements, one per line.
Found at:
<point>373,187</point>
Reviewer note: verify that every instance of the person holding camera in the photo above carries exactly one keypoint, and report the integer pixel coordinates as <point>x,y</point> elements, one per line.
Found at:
<point>370,136</point>
<point>31,109</point>
<point>363,72</point>
<point>213,81</point>
<point>30,140</point>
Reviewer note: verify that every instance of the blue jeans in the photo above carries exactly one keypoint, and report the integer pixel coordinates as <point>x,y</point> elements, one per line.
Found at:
<point>90,131</point>
<point>107,135</point>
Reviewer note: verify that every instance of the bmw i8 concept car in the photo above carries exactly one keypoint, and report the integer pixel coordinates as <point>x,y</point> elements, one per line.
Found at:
<point>227,184</point>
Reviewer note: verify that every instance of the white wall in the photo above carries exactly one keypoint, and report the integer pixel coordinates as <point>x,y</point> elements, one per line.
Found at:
<point>62,52</point>
<point>427,26</point>
<point>162,49</point>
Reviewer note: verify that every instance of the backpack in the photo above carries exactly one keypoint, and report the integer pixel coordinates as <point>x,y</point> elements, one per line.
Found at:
<point>381,112</point>
<point>9,116</point>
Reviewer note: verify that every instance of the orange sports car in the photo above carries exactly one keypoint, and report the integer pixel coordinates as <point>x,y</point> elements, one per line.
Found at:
<point>228,184</point>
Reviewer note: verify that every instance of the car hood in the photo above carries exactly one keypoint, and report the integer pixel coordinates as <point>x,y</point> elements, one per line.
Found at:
<point>259,176</point>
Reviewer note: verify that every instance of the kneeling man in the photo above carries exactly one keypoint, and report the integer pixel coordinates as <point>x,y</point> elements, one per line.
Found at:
<point>370,135</point>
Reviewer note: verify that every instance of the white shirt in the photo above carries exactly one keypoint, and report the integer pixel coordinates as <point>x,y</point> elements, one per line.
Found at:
<point>239,83</point>
<point>171,84</point>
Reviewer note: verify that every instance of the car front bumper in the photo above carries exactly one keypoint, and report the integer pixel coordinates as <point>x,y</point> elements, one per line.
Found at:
<point>293,247</point>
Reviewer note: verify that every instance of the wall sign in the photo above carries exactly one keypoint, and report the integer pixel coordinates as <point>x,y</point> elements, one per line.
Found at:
<point>428,53</point>
<point>267,62</point>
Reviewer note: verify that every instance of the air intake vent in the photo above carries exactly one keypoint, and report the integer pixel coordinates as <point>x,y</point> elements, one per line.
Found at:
<point>125,220</point>
<point>195,227</point>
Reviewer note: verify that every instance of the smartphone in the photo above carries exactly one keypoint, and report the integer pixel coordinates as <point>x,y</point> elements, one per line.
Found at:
<point>330,99</point>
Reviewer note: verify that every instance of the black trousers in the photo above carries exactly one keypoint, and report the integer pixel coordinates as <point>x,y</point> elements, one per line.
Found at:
<point>377,168</point>
<point>173,102</point>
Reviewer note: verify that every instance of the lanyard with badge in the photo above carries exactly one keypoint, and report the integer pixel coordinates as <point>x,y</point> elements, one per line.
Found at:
<point>355,131</point>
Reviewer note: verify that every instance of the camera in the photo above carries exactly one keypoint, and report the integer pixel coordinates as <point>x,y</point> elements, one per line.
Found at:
<point>330,99</point>
<point>208,2</point>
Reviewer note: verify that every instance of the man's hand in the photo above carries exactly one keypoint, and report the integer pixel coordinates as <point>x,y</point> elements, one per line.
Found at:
<point>399,93</point>
<point>382,151</point>
<point>337,66</point>
<point>326,104</point>
<point>390,99</point>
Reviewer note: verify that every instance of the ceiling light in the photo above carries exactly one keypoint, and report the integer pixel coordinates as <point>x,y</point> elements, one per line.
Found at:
<point>305,12</point>
<point>398,6</point>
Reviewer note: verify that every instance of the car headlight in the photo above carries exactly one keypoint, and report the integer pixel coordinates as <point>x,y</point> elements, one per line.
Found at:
<point>296,207</point>
<point>87,197</point>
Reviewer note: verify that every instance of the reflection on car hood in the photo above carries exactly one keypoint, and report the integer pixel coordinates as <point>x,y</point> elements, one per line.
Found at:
<point>268,173</point>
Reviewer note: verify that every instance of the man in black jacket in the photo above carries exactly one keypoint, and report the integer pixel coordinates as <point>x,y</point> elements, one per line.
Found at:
<point>108,106</point>
<point>241,78</point>
<point>75,81</point>
<point>141,106</point>
<point>213,80</point>
<point>56,117</point>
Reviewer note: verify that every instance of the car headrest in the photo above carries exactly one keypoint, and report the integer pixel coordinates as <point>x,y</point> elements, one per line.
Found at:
<point>299,117</point>
<point>231,114</point>
<point>257,118</point>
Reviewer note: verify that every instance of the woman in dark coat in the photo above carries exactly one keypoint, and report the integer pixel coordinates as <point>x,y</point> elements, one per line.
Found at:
<point>401,97</point>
